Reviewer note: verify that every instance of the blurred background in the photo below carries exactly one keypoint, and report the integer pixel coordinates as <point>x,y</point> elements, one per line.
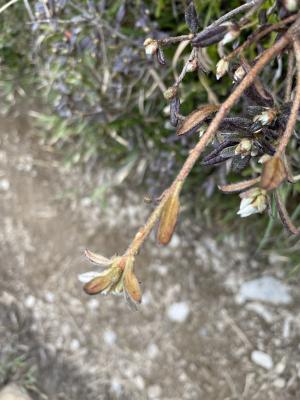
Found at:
<point>84,136</point>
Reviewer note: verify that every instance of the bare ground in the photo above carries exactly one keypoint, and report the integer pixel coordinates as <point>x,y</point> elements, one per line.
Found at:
<point>61,344</point>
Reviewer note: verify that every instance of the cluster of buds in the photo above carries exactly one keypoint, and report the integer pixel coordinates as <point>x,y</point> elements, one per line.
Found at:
<point>117,278</point>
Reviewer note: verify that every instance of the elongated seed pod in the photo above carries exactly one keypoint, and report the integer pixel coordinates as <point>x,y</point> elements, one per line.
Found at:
<point>191,17</point>
<point>210,36</point>
<point>168,219</point>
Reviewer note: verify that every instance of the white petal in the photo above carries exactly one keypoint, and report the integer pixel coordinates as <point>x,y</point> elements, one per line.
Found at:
<point>88,276</point>
<point>245,212</point>
<point>245,202</point>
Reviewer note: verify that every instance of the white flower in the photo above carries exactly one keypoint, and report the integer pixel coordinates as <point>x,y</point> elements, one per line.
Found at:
<point>253,201</point>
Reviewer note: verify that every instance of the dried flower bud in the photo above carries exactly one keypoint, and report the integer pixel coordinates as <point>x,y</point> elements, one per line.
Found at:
<point>192,65</point>
<point>232,33</point>
<point>151,46</point>
<point>194,120</point>
<point>239,74</point>
<point>169,217</point>
<point>191,17</point>
<point>274,173</point>
<point>221,68</point>
<point>266,117</point>
<point>103,282</point>
<point>244,147</point>
<point>171,92</point>
<point>253,201</point>
<point>130,282</point>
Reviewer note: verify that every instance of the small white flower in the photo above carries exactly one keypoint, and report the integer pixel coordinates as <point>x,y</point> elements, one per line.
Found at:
<point>253,201</point>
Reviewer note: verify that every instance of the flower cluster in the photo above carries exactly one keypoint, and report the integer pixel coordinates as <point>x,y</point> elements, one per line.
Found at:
<point>117,278</point>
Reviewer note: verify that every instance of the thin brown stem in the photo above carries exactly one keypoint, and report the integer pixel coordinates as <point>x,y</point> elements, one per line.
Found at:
<point>259,35</point>
<point>175,39</point>
<point>235,11</point>
<point>205,139</point>
<point>295,107</point>
<point>284,215</point>
<point>289,76</point>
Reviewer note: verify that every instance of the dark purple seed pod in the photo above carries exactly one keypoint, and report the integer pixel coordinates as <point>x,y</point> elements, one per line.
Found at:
<point>213,161</point>
<point>239,163</point>
<point>219,148</point>
<point>210,36</point>
<point>238,124</point>
<point>174,110</point>
<point>191,17</point>
<point>160,56</point>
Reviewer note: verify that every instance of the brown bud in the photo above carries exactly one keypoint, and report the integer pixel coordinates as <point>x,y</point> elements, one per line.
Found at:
<point>98,284</point>
<point>130,282</point>
<point>169,217</point>
<point>274,173</point>
<point>194,120</point>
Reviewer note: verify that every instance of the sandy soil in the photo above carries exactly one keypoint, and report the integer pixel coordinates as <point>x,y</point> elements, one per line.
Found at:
<point>191,338</point>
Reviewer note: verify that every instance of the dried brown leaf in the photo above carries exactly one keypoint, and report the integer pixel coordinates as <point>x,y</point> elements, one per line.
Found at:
<point>194,120</point>
<point>274,173</point>
<point>239,186</point>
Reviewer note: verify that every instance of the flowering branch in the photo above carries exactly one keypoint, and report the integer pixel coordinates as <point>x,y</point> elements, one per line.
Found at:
<point>206,138</point>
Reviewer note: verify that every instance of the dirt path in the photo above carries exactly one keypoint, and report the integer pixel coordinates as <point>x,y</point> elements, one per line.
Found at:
<point>191,339</point>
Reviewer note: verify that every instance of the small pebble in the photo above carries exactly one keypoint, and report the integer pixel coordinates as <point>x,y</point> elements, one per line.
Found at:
<point>152,350</point>
<point>110,337</point>
<point>4,185</point>
<point>154,392</point>
<point>262,359</point>
<point>178,312</point>
<point>29,301</point>
<point>279,383</point>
